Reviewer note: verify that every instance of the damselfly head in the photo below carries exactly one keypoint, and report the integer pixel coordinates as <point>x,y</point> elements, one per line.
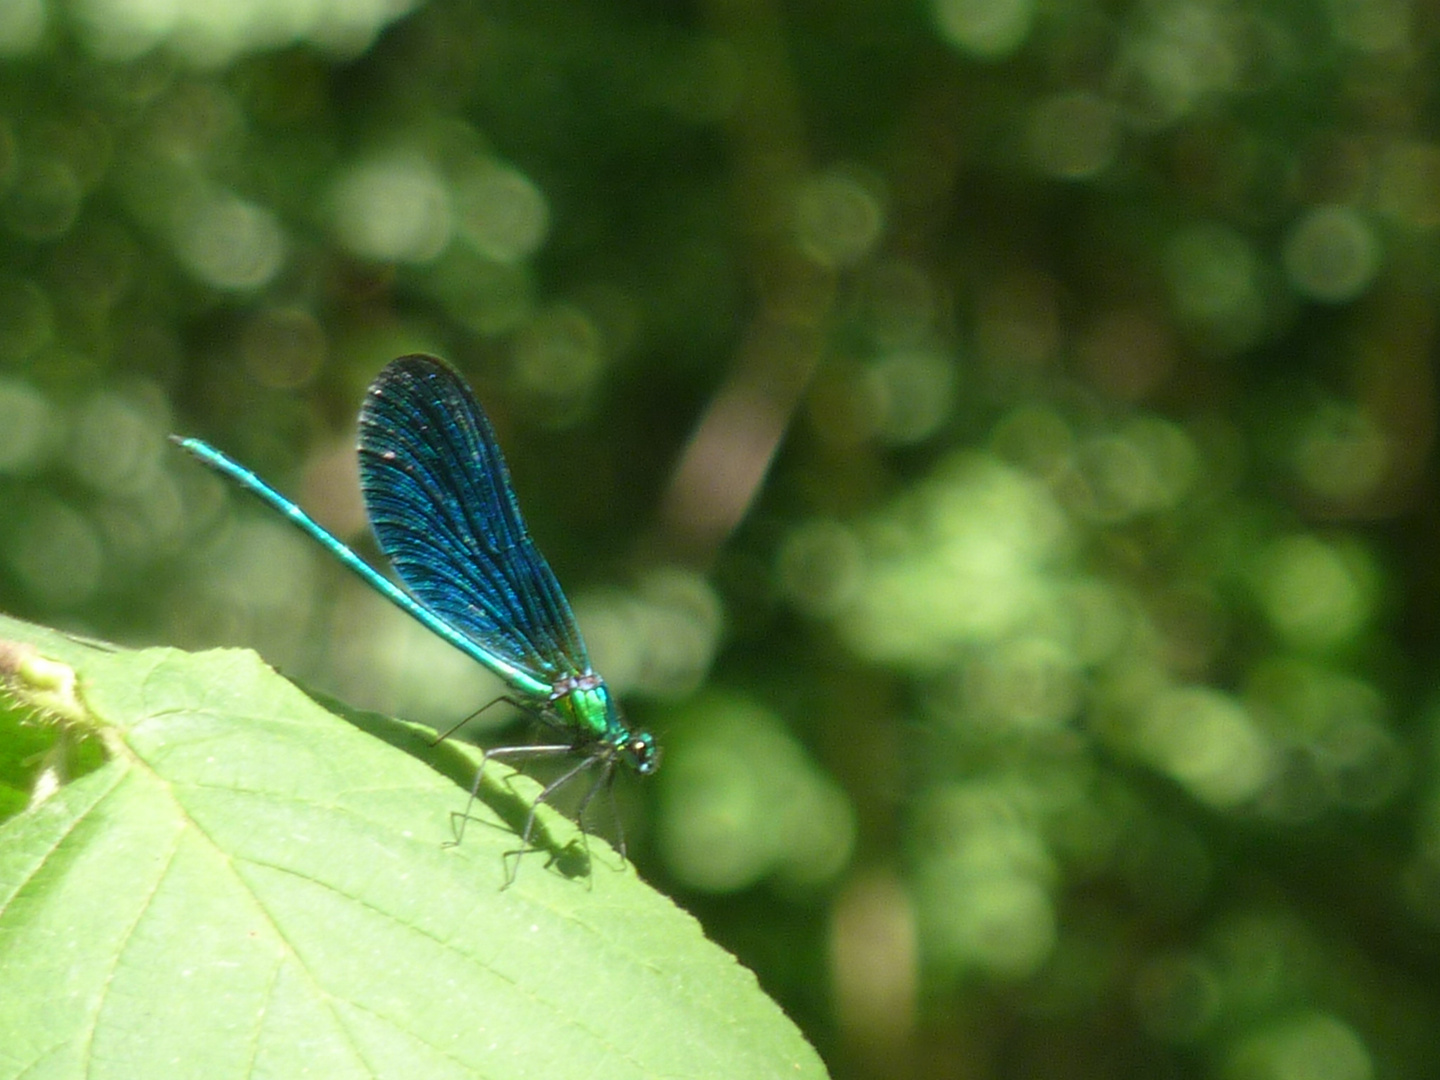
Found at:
<point>641,753</point>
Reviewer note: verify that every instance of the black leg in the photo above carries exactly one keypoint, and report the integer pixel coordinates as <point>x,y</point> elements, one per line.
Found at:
<point>500,752</point>
<point>544,796</point>
<point>506,698</point>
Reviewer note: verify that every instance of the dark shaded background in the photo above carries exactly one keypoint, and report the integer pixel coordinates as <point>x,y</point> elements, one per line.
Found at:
<point>989,442</point>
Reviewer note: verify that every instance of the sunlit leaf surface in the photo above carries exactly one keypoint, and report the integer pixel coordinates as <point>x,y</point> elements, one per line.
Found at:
<point>252,885</point>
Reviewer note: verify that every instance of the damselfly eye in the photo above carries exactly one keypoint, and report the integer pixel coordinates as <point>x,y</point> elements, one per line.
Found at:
<point>642,753</point>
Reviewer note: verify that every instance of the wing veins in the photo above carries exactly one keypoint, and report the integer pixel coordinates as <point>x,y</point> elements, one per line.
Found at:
<point>437,489</point>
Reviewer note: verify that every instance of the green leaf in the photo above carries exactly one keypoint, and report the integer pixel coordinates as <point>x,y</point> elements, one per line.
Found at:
<point>252,885</point>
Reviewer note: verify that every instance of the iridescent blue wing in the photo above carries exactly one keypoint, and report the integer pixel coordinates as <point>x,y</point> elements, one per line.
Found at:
<point>439,497</point>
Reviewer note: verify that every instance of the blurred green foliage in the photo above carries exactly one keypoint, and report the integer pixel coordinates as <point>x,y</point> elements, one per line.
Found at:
<point>991,443</point>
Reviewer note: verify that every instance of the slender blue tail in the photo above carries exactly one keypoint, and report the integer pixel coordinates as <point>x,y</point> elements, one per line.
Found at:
<point>233,470</point>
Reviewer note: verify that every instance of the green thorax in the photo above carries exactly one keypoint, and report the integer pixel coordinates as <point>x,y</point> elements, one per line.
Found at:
<point>584,703</point>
